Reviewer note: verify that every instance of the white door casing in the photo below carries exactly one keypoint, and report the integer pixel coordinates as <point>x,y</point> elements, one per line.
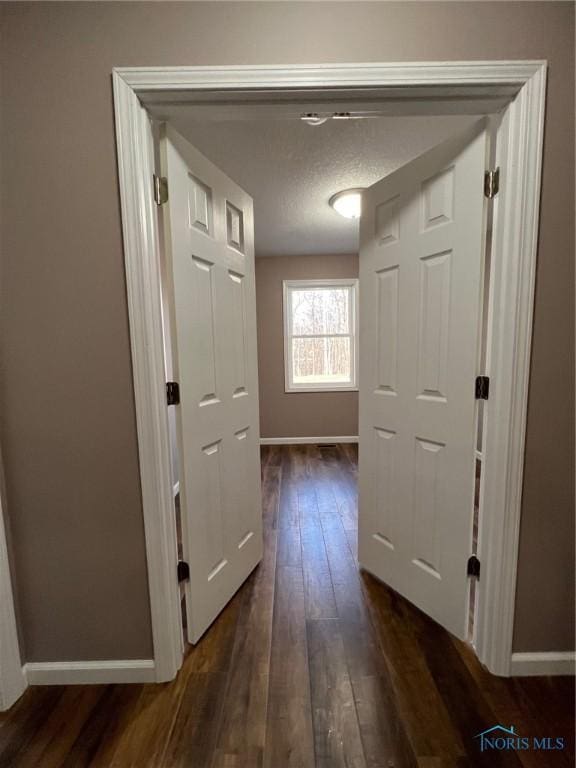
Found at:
<point>210,252</point>
<point>422,241</point>
<point>12,678</point>
<point>519,89</point>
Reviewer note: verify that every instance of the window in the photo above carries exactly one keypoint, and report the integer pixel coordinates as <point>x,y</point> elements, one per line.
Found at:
<point>320,335</point>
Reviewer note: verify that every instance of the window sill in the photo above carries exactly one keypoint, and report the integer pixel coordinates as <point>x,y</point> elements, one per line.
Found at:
<point>297,390</point>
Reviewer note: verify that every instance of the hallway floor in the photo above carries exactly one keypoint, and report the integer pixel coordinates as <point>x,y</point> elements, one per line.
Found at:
<point>312,664</point>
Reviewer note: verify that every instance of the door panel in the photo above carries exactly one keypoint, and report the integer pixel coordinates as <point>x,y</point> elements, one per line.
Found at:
<point>421,257</point>
<point>210,252</point>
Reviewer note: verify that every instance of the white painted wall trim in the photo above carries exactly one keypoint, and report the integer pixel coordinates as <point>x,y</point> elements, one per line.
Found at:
<point>308,440</point>
<point>509,343</point>
<point>563,663</point>
<point>510,330</point>
<point>180,80</point>
<point>12,681</point>
<point>90,672</point>
<point>135,150</point>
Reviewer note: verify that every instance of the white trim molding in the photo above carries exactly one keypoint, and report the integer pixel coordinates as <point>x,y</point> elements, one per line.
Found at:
<point>180,82</point>
<point>12,680</point>
<point>308,440</point>
<point>90,672</point>
<point>521,85</point>
<point>547,663</point>
<point>135,149</point>
<point>509,343</point>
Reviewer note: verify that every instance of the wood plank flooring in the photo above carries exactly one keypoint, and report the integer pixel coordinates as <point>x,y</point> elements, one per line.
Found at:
<point>313,664</point>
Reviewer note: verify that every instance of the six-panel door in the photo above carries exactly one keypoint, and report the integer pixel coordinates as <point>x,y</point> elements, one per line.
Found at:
<point>210,253</point>
<point>421,257</point>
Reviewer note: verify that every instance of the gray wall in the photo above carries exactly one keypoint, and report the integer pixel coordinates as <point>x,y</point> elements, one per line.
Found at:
<point>297,414</point>
<point>66,401</point>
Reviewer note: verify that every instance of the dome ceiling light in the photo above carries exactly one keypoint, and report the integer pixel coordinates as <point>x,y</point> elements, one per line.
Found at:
<point>348,203</point>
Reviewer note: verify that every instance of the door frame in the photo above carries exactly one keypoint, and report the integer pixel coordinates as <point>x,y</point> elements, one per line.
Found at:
<point>516,212</point>
<point>12,677</point>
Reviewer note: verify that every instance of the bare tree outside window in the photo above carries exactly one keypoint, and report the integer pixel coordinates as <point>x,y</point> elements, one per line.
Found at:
<point>320,334</point>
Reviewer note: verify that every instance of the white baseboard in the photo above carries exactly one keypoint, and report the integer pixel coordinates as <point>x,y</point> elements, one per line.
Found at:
<point>176,488</point>
<point>307,440</point>
<point>546,663</point>
<point>86,672</point>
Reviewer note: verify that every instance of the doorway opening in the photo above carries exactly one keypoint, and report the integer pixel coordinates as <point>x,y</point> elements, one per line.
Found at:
<point>515,90</point>
<point>292,170</point>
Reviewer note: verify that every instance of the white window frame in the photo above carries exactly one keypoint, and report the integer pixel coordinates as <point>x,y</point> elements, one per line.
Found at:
<point>287,286</point>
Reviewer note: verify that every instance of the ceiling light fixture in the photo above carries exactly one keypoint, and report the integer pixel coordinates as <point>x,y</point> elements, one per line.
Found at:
<point>313,118</point>
<point>348,203</point>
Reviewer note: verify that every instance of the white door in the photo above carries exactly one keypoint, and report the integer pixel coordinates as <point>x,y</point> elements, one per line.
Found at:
<point>421,261</point>
<point>209,238</point>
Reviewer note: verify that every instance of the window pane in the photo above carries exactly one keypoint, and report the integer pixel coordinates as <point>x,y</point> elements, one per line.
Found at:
<point>321,360</point>
<point>322,310</point>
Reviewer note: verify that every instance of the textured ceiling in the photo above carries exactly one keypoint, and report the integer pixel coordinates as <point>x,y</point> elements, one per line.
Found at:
<point>291,169</point>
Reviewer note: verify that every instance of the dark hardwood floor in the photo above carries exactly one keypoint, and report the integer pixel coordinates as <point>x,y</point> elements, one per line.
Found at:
<point>311,664</point>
